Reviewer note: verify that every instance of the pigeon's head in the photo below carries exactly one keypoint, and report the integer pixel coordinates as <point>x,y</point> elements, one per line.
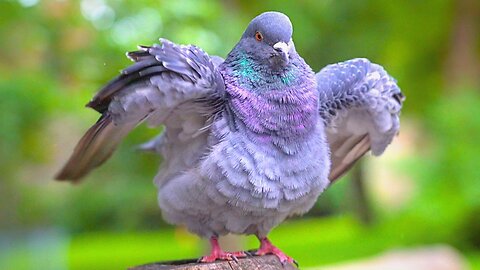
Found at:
<point>268,39</point>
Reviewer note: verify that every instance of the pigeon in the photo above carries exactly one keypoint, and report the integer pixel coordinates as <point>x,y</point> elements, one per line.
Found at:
<point>249,140</point>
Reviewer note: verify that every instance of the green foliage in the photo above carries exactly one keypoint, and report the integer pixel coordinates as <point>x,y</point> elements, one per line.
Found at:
<point>56,54</point>
<point>453,175</point>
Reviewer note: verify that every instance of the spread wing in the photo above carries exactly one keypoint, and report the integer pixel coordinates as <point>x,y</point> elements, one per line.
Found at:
<point>360,104</point>
<point>166,82</point>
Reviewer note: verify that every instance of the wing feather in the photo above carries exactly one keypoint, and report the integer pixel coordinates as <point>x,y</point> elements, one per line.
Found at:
<point>360,105</point>
<point>164,78</point>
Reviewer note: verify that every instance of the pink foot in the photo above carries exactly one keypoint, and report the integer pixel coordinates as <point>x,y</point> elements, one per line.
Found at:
<point>266,247</point>
<point>218,254</point>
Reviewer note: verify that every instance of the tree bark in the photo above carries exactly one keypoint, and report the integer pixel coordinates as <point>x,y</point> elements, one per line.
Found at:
<point>463,65</point>
<point>269,262</point>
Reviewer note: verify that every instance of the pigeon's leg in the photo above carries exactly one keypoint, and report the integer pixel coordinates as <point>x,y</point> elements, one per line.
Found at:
<point>266,247</point>
<point>218,254</point>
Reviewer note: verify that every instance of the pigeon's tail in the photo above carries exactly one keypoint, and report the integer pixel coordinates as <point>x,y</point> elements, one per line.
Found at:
<point>94,148</point>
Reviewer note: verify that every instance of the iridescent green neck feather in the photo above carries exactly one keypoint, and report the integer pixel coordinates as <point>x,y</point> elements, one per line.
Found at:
<point>248,72</point>
<point>245,69</point>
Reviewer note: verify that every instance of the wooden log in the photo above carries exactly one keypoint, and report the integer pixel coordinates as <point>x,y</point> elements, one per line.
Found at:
<point>268,262</point>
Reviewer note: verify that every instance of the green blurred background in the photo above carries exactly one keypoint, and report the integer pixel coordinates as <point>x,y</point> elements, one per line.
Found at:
<point>54,55</point>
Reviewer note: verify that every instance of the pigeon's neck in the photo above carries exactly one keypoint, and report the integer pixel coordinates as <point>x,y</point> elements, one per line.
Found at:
<point>260,77</point>
<point>282,105</point>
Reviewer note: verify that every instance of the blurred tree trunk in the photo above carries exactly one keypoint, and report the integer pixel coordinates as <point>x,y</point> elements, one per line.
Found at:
<point>360,201</point>
<point>463,65</point>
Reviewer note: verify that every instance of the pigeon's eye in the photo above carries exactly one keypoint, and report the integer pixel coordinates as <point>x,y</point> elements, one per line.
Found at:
<point>258,36</point>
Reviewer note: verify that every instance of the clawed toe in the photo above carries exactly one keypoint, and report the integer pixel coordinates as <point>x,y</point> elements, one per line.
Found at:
<point>266,247</point>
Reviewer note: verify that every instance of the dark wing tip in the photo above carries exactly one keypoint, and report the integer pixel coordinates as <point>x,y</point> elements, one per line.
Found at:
<point>399,97</point>
<point>143,51</point>
<point>91,104</point>
<point>65,176</point>
<point>99,105</point>
<point>94,148</point>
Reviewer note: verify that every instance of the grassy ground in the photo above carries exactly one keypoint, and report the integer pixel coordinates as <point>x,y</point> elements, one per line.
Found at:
<point>312,242</point>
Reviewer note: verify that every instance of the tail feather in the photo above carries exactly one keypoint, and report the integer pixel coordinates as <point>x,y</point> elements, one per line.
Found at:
<point>94,148</point>
<point>345,153</point>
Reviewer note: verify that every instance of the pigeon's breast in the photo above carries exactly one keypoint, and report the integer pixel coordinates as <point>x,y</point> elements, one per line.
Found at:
<point>251,174</point>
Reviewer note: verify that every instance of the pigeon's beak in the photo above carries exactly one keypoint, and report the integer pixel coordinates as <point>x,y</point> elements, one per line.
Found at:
<point>282,49</point>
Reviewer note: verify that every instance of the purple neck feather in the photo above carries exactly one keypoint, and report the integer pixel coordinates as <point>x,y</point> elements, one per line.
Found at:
<point>283,105</point>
